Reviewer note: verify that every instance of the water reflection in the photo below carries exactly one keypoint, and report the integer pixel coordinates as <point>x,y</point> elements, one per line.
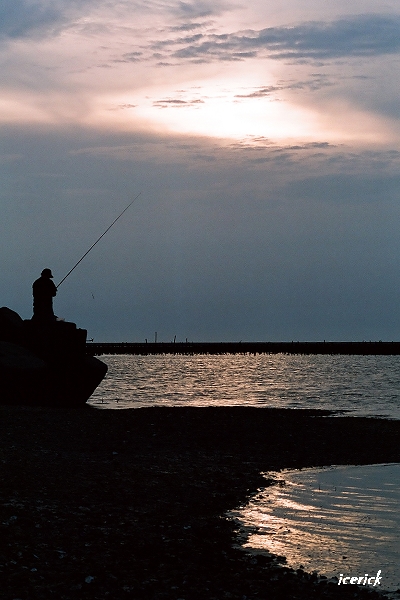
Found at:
<point>334,520</point>
<point>364,385</point>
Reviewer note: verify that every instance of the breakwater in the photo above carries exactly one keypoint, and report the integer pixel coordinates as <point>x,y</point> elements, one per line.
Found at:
<point>361,348</point>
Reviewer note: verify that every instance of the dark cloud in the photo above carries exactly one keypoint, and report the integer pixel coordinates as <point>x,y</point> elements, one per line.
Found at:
<point>260,92</point>
<point>176,102</point>
<point>362,35</point>
<point>18,18</point>
<point>355,36</point>
<point>197,8</point>
<point>190,26</point>
<point>123,107</point>
<point>316,82</point>
<point>309,146</point>
<point>23,18</point>
<point>130,57</point>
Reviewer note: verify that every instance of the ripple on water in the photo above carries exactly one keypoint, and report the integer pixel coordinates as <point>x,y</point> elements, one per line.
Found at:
<point>337,520</point>
<point>364,385</point>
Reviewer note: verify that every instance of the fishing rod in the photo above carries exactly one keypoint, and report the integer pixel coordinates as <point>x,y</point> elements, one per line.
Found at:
<point>102,235</point>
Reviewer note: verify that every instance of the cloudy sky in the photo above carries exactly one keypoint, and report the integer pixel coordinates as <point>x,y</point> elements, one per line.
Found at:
<point>263,139</point>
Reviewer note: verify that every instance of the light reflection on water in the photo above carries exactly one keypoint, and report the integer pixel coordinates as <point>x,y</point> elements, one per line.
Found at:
<point>364,385</point>
<point>338,520</point>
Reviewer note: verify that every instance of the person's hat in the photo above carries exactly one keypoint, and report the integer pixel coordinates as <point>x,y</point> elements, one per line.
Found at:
<point>47,273</point>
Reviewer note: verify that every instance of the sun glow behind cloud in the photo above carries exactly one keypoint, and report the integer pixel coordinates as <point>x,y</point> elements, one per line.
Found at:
<point>227,117</point>
<point>201,73</point>
<point>223,110</point>
<point>213,112</point>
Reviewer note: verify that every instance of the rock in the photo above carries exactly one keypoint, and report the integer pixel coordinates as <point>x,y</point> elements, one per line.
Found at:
<point>23,375</point>
<point>10,325</point>
<point>45,364</point>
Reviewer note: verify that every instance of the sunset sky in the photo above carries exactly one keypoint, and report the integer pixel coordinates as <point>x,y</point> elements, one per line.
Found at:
<point>264,143</point>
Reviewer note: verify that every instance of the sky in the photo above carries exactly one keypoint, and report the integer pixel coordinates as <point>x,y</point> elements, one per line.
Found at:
<point>263,139</point>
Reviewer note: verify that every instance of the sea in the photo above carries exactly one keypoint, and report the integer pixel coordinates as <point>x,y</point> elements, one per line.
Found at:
<point>356,385</point>
<point>340,522</point>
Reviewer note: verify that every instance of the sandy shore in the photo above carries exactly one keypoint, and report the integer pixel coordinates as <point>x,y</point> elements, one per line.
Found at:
<point>129,504</point>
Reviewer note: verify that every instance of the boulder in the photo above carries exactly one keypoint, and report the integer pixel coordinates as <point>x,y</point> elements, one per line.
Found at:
<point>11,325</point>
<point>24,377</point>
<point>45,364</point>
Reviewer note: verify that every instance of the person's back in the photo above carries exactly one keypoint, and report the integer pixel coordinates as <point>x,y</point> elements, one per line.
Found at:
<point>43,292</point>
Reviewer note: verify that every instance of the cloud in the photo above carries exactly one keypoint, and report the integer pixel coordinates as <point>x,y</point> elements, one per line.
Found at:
<point>353,36</point>
<point>361,35</point>
<point>191,26</point>
<point>23,18</point>
<point>198,8</point>
<point>316,82</point>
<point>33,18</point>
<point>176,103</point>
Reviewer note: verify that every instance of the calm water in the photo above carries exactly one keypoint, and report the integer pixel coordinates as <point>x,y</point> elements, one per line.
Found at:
<point>363,385</point>
<point>339,520</point>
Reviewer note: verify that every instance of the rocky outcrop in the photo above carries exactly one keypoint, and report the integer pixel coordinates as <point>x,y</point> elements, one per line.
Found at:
<point>45,364</point>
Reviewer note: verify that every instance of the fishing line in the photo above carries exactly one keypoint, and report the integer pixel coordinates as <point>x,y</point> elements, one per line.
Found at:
<point>102,235</point>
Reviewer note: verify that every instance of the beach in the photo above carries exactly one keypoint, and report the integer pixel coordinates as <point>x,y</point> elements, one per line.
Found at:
<point>132,503</point>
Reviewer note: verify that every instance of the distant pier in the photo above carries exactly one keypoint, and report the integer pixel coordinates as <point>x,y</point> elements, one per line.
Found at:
<point>360,348</point>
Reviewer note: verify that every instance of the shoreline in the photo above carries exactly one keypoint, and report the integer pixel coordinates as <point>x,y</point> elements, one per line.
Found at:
<point>214,348</point>
<point>132,504</point>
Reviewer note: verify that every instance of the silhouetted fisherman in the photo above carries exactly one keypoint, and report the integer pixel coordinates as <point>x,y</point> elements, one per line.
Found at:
<point>44,291</point>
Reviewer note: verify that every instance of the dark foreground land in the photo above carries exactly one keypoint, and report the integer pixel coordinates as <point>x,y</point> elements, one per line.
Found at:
<point>129,504</point>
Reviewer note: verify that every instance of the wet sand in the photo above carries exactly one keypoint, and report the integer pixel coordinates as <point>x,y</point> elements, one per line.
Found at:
<point>130,504</point>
